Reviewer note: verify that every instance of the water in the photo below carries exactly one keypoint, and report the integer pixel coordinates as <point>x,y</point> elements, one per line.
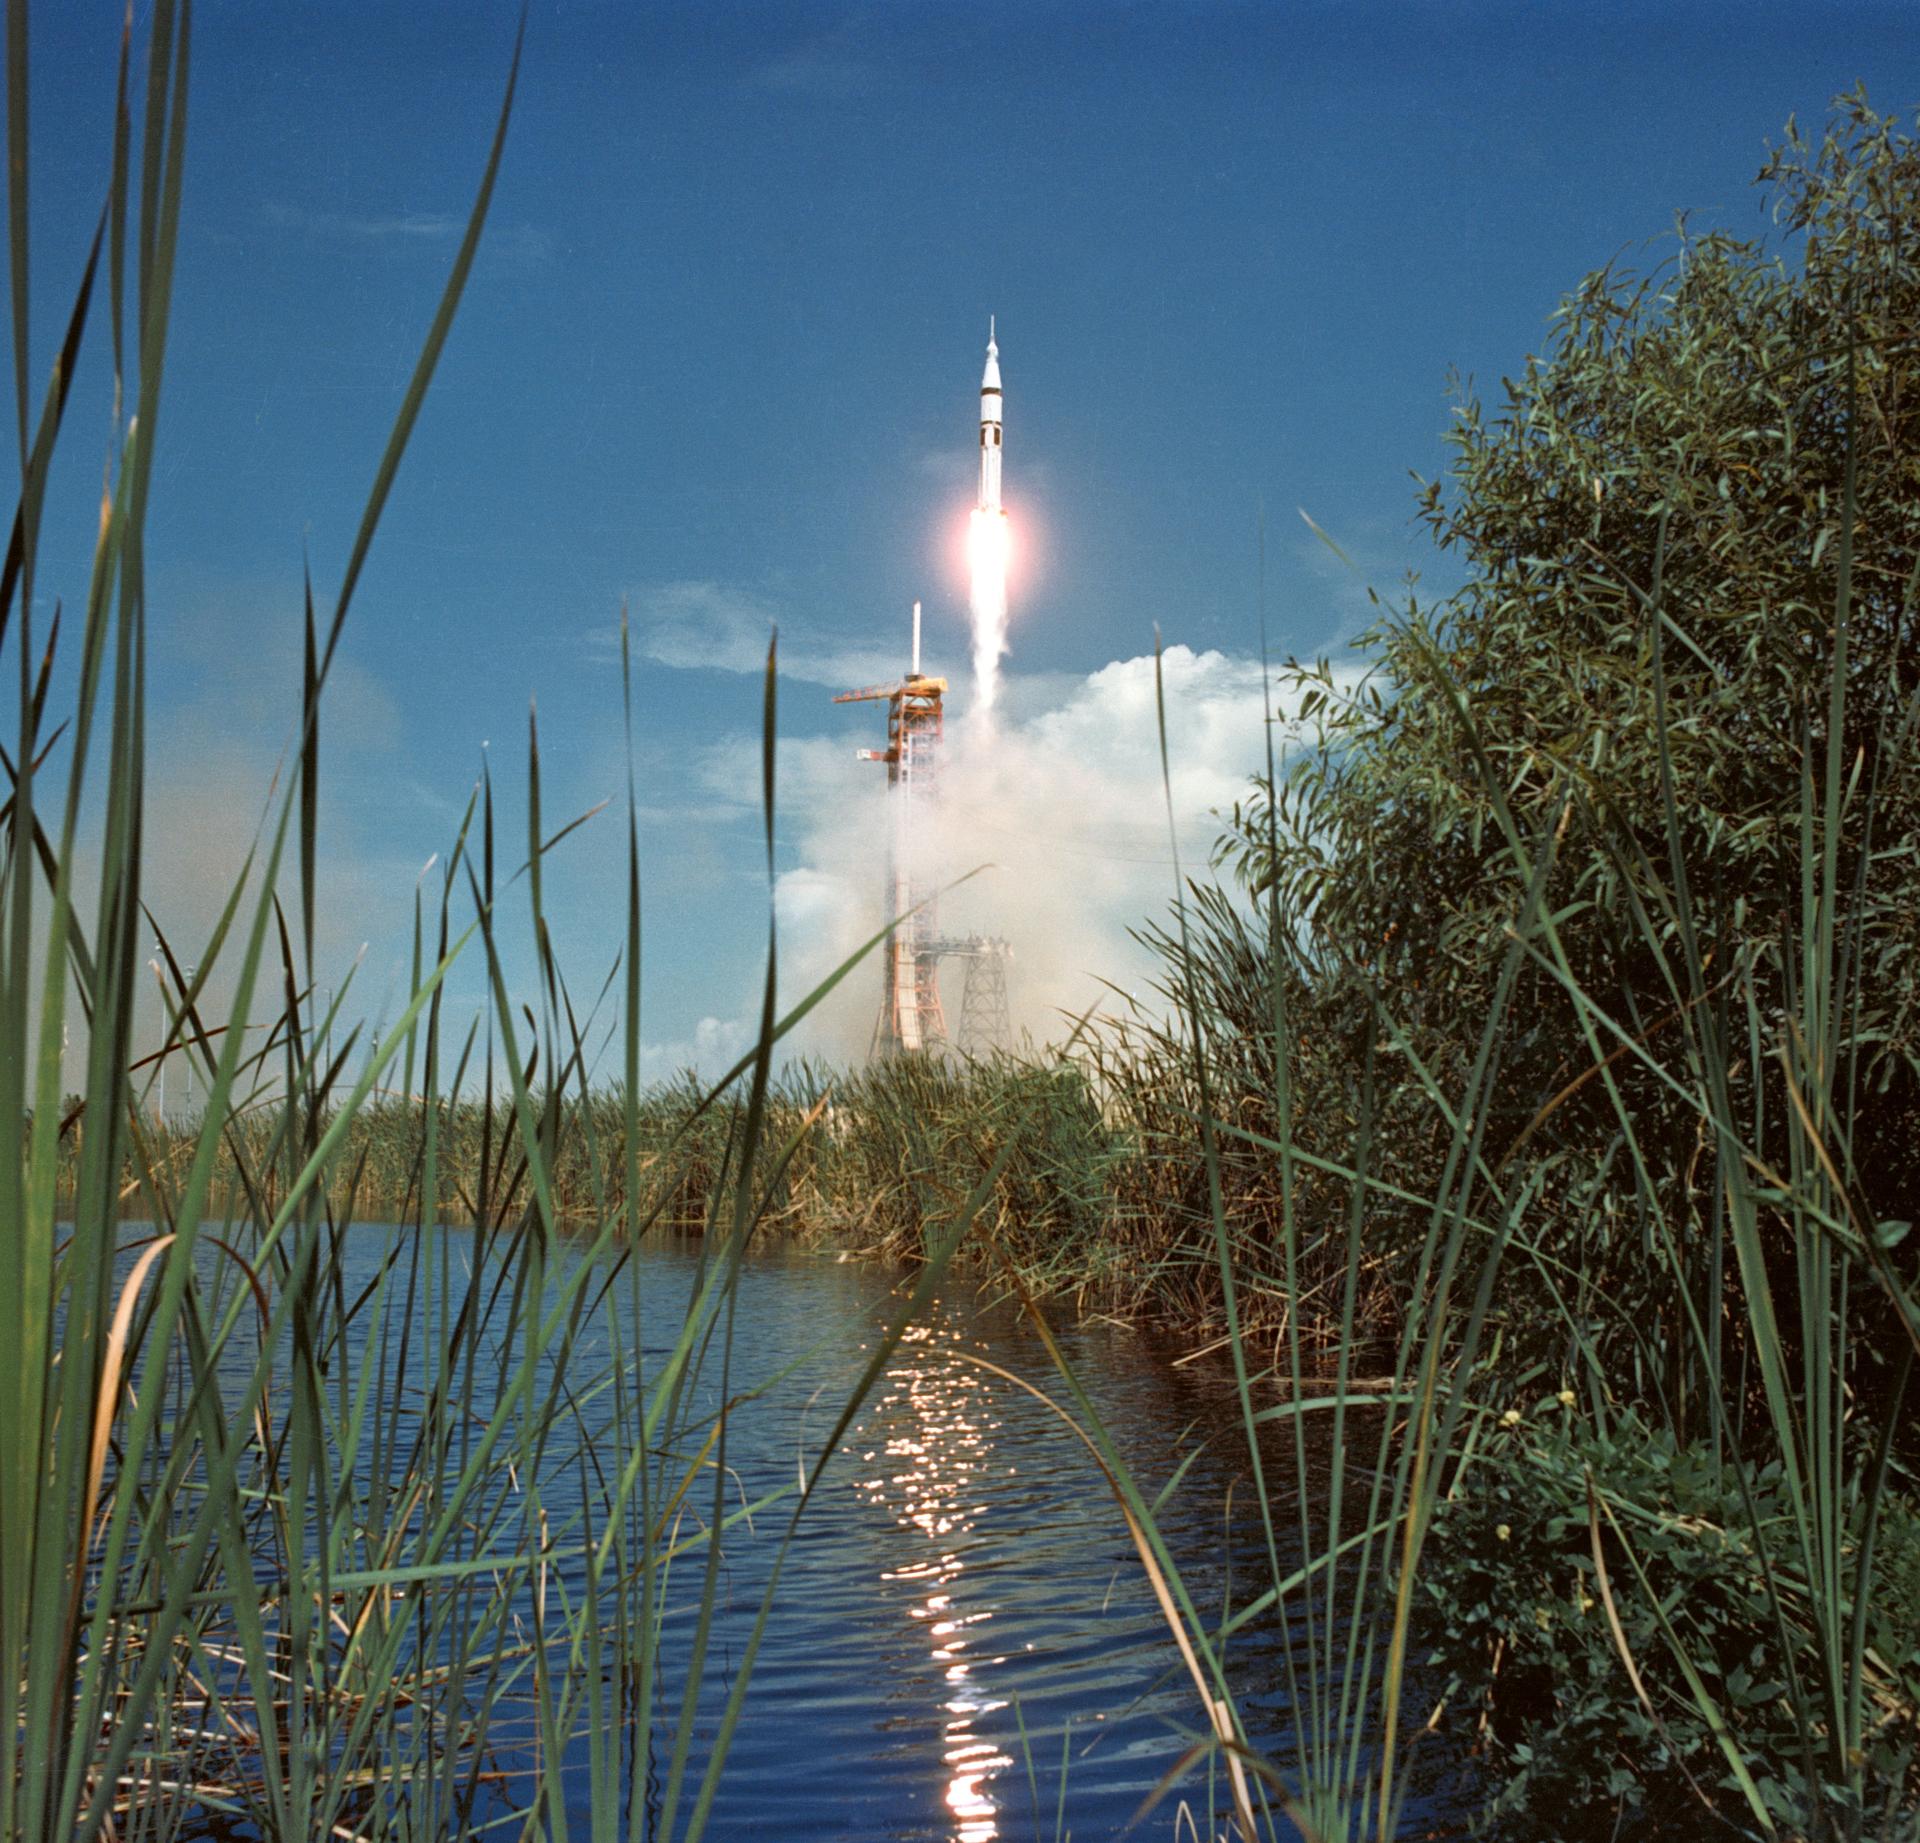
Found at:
<point>966,1576</point>
<point>964,1644</point>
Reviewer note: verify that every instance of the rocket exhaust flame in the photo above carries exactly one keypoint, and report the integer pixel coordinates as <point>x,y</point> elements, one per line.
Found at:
<point>987,546</point>
<point>987,541</point>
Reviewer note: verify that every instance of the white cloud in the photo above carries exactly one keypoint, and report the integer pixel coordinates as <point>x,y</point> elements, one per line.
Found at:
<point>714,1047</point>
<point>824,71</point>
<point>521,243</point>
<point>720,627</point>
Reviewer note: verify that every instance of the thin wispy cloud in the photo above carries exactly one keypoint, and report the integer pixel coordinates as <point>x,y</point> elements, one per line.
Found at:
<point>722,627</point>
<point>366,227</point>
<point>825,72</point>
<point>950,464</point>
<point>408,229</point>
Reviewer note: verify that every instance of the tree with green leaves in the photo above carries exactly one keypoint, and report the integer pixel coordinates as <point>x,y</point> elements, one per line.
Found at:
<point>1641,660</point>
<point>1607,876</point>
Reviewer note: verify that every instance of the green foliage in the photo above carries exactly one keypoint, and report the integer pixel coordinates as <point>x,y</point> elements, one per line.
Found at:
<point>1218,980</point>
<point>1517,1616</point>
<point>1607,878</point>
<point>1683,438</point>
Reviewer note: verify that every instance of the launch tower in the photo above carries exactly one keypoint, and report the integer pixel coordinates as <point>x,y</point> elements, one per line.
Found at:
<point>911,1019</point>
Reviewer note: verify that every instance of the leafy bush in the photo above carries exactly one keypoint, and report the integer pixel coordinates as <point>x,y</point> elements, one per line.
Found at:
<point>1685,439</point>
<point>1517,1615</point>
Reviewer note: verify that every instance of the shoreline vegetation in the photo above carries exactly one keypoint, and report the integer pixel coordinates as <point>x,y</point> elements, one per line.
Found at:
<point>1536,1102</point>
<point>1092,1210</point>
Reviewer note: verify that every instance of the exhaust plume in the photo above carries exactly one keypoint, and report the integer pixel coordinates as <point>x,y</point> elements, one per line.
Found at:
<point>987,546</point>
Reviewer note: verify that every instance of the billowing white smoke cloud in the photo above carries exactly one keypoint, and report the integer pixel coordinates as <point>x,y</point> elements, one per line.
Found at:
<point>1059,805</point>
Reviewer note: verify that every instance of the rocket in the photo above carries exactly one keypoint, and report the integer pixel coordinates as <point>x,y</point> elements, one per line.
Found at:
<point>990,426</point>
<point>988,543</point>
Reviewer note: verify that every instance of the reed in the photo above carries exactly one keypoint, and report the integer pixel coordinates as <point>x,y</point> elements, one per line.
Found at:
<point>322,1557</point>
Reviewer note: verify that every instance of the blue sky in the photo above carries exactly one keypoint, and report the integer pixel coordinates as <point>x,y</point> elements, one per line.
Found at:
<point>717,361</point>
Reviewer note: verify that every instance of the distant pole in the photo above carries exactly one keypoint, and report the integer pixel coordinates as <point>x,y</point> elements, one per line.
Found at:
<point>160,981</point>
<point>189,1048</point>
<point>916,639</point>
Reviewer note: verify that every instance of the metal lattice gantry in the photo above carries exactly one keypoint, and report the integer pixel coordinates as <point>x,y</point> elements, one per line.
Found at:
<point>986,1023</point>
<point>911,1019</point>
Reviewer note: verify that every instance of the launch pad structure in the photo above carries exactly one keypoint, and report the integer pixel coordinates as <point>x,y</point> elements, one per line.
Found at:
<point>986,1025</point>
<point>912,1018</point>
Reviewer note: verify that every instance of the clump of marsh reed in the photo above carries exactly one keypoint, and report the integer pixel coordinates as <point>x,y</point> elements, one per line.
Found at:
<point>682,1129</point>
<point>875,1159</point>
<point>900,1138</point>
<point>307,1529</point>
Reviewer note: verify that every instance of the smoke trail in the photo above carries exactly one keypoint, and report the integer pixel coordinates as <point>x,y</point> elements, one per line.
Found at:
<point>987,545</point>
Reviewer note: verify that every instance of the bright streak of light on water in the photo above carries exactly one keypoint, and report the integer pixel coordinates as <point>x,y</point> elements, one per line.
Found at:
<point>932,1484</point>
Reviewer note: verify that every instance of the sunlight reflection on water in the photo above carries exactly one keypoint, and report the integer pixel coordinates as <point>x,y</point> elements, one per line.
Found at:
<point>934,1462</point>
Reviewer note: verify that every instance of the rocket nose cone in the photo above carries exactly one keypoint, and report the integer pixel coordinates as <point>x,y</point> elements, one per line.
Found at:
<point>990,378</point>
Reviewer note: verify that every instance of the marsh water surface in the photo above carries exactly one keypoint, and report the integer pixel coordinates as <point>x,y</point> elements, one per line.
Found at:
<point>964,1644</point>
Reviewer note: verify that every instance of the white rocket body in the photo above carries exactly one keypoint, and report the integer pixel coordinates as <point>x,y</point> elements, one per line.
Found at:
<point>988,543</point>
<point>990,428</point>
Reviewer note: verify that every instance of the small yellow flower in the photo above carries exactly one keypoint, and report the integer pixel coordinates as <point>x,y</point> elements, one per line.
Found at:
<point>1543,1619</point>
<point>1505,1532</point>
<point>1567,1398</point>
<point>1511,1418</point>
